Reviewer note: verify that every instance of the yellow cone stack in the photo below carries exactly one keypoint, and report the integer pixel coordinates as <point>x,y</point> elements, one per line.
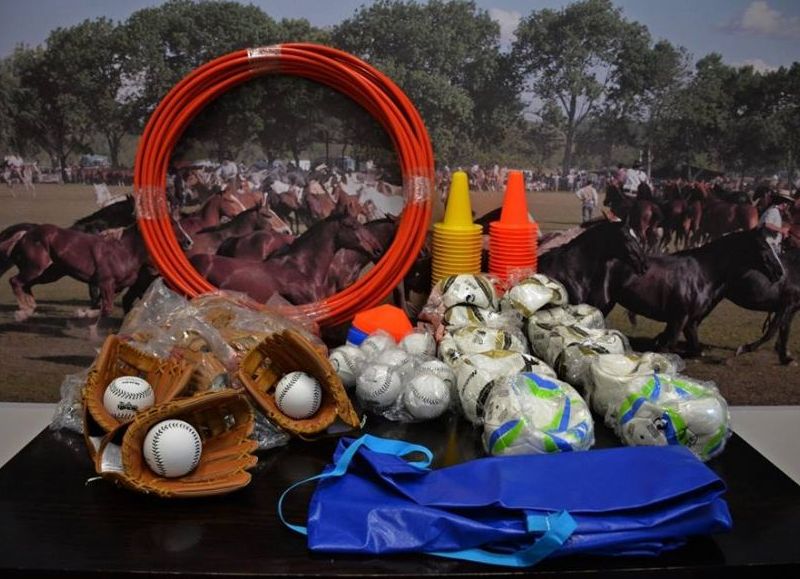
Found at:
<point>457,241</point>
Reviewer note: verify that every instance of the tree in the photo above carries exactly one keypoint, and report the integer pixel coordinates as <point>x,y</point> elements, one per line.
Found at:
<point>91,62</point>
<point>446,57</point>
<point>50,113</point>
<point>583,57</point>
<point>694,118</point>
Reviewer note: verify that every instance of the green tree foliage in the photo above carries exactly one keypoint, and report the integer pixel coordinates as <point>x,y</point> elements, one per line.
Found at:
<point>49,109</point>
<point>446,57</point>
<point>590,60</point>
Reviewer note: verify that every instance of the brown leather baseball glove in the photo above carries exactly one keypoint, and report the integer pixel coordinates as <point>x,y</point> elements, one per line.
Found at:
<point>224,421</point>
<point>168,378</point>
<point>289,351</point>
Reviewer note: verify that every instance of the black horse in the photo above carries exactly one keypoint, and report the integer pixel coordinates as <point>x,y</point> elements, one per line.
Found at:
<point>583,264</point>
<point>683,288</point>
<point>754,291</point>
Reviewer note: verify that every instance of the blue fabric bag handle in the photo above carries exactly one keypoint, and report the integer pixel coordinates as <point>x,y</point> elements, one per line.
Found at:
<point>555,528</point>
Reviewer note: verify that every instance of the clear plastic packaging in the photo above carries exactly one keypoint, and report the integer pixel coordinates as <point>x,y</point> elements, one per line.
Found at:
<point>611,374</point>
<point>478,339</point>
<point>267,435</point>
<point>532,414</point>
<point>532,293</point>
<point>549,343</point>
<point>420,342</point>
<point>659,410</point>
<point>568,315</point>
<point>479,290</point>
<point>468,315</point>
<point>477,374</point>
<point>69,410</point>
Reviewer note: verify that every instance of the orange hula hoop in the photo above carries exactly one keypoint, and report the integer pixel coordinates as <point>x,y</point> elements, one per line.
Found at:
<point>340,71</point>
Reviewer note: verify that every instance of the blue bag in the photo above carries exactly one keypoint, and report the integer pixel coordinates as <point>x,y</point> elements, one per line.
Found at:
<point>513,510</point>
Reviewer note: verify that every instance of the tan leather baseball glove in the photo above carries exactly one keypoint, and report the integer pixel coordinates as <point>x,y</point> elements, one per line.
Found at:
<point>224,421</point>
<point>289,351</point>
<point>168,378</point>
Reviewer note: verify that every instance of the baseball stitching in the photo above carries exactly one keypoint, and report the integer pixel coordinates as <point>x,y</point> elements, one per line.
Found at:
<point>128,395</point>
<point>425,399</point>
<point>157,436</point>
<point>286,387</point>
<point>385,388</point>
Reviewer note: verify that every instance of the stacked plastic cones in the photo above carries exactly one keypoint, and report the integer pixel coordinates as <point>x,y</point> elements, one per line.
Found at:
<point>457,241</point>
<point>513,241</point>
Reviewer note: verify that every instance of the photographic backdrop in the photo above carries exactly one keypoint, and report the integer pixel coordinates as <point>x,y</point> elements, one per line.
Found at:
<point>703,95</point>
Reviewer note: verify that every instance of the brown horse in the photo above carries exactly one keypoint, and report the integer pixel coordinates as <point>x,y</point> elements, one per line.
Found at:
<point>721,216</point>
<point>347,264</point>
<point>208,240</point>
<point>297,272</point>
<point>257,246</point>
<point>48,252</point>
<point>284,200</point>
<point>317,203</point>
<point>642,214</point>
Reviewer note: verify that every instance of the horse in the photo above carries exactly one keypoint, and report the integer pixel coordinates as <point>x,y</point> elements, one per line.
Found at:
<point>47,253</point>
<point>346,265</point>
<point>317,203</point>
<point>683,288</point>
<point>724,215</point>
<point>122,213</point>
<point>209,239</point>
<point>781,299</point>
<point>217,208</point>
<point>296,272</point>
<point>643,214</point>
<point>284,200</point>
<point>583,264</point>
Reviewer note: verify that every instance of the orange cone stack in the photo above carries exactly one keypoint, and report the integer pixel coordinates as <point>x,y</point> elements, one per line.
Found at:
<point>457,241</point>
<point>513,241</point>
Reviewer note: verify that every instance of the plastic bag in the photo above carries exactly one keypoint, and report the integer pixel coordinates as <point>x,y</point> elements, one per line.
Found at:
<point>69,410</point>
<point>568,315</point>
<point>478,339</point>
<point>549,343</point>
<point>534,292</point>
<point>611,374</point>
<point>661,410</point>
<point>532,414</point>
<point>479,290</point>
<point>476,375</point>
<point>468,315</point>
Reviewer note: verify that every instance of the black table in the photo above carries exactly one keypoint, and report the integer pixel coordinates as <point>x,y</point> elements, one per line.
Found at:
<point>53,522</point>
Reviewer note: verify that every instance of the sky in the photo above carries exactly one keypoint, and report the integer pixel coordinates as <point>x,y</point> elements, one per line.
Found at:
<point>762,33</point>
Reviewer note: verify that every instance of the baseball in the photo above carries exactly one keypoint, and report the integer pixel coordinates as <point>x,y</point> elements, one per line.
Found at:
<point>172,448</point>
<point>441,371</point>
<point>376,344</point>
<point>378,385</point>
<point>346,361</point>
<point>298,395</point>
<point>426,397</point>
<point>126,396</point>
<point>419,344</point>
<point>394,358</point>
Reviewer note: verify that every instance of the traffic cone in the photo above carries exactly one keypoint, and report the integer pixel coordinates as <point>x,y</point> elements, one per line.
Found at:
<point>457,241</point>
<point>513,240</point>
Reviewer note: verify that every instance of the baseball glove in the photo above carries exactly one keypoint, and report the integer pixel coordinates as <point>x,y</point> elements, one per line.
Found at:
<point>224,421</point>
<point>208,374</point>
<point>288,351</point>
<point>169,378</point>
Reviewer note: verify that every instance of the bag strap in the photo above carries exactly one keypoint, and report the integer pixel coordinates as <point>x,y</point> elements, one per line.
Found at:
<point>374,443</point>
<point>556,528</point>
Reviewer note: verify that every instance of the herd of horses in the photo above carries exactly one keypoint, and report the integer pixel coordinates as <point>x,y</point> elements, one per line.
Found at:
<point>264,241</point>
<point>689,214</point>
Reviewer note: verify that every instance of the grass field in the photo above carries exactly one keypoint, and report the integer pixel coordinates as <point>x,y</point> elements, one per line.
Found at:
<point>36,354</point>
